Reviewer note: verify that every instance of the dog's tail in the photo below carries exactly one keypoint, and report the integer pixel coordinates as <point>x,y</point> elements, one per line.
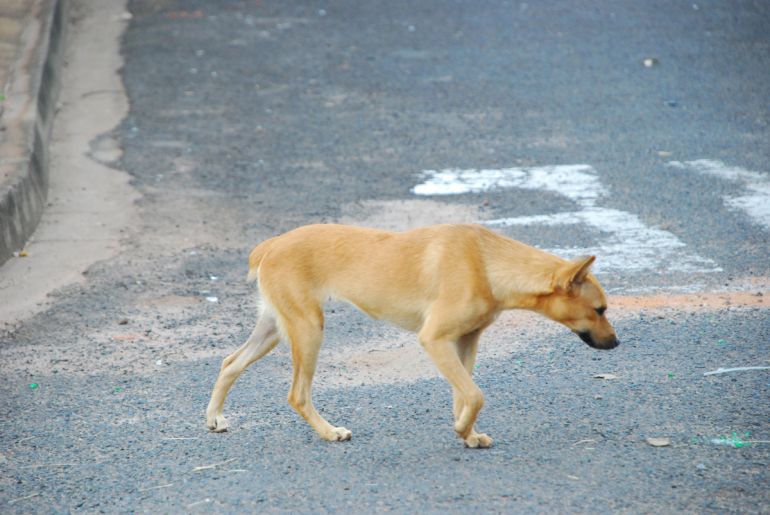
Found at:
<point>255,258</point>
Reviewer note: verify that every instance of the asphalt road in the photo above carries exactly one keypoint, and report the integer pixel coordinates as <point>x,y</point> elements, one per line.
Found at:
<point>250,118</point>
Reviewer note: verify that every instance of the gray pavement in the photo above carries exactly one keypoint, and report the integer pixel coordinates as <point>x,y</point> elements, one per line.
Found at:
<point>248,119</point>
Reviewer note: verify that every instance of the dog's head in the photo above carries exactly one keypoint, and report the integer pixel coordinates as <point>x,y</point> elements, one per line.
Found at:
<point>578,302</point>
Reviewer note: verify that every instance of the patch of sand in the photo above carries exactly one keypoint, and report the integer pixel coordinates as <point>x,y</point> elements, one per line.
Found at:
<point>401,215</point>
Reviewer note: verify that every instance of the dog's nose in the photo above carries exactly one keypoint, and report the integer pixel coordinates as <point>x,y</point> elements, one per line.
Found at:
<point>607,344</point>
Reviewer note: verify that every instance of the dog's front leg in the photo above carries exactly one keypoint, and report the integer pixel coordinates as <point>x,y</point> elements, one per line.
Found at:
<point>466,351</point>
<point>443,353</point>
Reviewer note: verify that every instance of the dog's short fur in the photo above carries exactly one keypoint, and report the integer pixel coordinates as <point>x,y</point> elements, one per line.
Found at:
<point>447,283</point>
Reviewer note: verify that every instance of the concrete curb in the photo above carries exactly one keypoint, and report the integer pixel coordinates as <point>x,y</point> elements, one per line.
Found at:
<point>26,121</point>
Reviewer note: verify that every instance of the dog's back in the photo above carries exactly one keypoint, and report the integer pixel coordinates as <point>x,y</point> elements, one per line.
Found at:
<point>352,263</point>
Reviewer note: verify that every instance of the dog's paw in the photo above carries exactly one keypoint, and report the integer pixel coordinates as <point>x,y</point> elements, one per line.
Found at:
<point>217,424</point>
<point>478,441</point>
<point>338,434</point>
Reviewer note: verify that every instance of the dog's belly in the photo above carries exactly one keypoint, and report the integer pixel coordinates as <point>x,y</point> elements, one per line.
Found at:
<point>402,316</point>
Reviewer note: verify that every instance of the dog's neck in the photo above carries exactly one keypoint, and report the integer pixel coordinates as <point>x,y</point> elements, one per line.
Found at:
<point>519,275</point>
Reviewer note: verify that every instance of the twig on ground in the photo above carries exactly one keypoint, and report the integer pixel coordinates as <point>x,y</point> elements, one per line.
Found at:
<point>155,487</point>
<point>14,501</point>
<point>213,465</point>
<point>736,369</point>
<point>204,501</point>
<point>52,465</point>
<point>587,440</point>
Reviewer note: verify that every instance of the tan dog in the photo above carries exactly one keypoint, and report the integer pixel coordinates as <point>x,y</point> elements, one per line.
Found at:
<point>446,282</point>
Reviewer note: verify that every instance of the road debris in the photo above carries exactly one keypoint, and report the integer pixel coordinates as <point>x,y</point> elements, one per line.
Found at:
<point>661,441</point>
<point>126,337</point>
<point>735,369</point>
<point>605,376</point>
<point>34,386</point>
<point>649,62</point>
<point>198,503</point>
<point>14,501</point>
<point>213,465</point>
<point>177,15</point>
<point>732,441</point>
<point>155,487</point>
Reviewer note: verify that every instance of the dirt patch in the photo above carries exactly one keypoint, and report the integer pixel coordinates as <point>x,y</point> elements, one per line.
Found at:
<point>755,293</point>
<point>173,304</point>
<point>396,356</point>
<point>401,215</point>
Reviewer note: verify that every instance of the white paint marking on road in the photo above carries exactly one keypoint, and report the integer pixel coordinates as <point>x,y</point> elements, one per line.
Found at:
<point>576,182</point>
<point>755,203</point>
<point>626,244</point>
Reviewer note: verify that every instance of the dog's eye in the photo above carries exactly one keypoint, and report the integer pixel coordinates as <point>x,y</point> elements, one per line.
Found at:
<point>600,311</point>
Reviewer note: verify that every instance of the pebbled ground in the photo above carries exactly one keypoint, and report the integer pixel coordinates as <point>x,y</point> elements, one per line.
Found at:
<point>250,118</point>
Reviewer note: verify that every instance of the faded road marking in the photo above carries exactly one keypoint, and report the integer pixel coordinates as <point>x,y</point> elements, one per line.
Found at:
<point>577,182</point>
<point>755,203</point>
<point>626,243</point>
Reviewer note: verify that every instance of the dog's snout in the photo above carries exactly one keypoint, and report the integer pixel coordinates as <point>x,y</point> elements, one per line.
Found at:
<point>604,344</point>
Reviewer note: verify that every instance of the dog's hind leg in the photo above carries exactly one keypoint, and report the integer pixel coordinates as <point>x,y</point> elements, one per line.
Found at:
<point>263,339</point>
<point>466,351</point>
<point>305,332</point>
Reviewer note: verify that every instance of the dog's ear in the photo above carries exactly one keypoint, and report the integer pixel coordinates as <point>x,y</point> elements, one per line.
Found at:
<point>573,272</point>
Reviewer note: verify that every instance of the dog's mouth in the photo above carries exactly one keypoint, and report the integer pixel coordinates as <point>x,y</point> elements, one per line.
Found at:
<point>610,343</point>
